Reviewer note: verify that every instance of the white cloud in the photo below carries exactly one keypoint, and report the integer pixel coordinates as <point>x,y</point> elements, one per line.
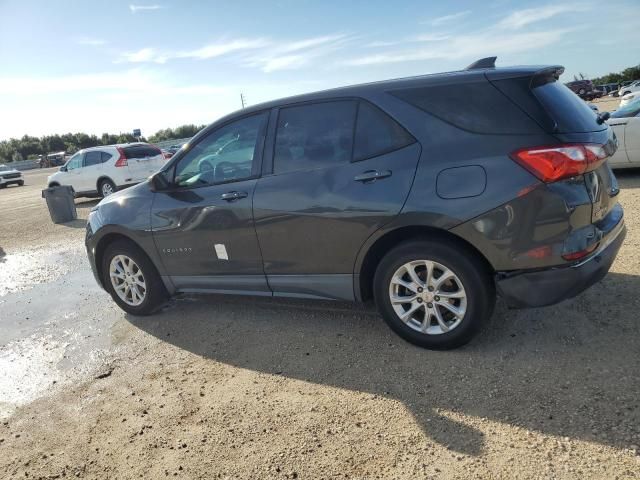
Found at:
<point>467,46</point>
<point>266,54</point>
<point>449,18</point>
<point>292,55</point>
<point>521,18</point>
<point>143,8</point>
<point>94,42</point>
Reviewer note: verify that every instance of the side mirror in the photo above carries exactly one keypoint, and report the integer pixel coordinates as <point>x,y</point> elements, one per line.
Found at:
<point>63,168</point>
<point>158,182</point>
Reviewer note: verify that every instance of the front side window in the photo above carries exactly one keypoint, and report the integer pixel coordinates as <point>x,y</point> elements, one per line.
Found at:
<point>74,162</point>
<point>314,136</point>
<point>92,158</point>
<point>377,133</point>
<point>226,154</point>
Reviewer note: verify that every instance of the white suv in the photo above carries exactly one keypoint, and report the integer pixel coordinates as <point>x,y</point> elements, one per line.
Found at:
<point>10,176</point>
<point>103,170</point>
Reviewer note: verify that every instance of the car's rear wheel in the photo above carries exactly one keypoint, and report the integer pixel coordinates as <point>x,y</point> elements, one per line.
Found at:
<point>434,294</point>
<point>131,279</point>
<point>581,91</point>
<point>106,187</point>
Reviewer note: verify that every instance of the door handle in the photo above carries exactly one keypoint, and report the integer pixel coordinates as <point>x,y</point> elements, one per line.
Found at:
<point>231,196</point>
<point>372,176</point>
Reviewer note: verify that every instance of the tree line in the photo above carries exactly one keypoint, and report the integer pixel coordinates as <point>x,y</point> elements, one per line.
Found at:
<point>29,147</point>
<point>631,73</point>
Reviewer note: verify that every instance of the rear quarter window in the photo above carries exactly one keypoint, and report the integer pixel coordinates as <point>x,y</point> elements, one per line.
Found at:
<point>474,106</point>
<point>569,112</point>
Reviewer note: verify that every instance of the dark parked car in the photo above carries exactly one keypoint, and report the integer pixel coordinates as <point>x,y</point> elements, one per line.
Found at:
<point>427,194</point>
<point>584,89</point>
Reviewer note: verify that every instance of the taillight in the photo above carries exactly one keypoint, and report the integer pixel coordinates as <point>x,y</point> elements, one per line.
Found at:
<point>550,164</point>
<point>122,160</point>
<point>580,254</point>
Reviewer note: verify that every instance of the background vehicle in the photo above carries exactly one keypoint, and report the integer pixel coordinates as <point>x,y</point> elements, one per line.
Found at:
<point>584,89</point>
<point>100,171</point>
<point>10,176</point>
<point>629,88</point>
<point>625,122</point>
<point>628,98</point>
<point>396,191</point>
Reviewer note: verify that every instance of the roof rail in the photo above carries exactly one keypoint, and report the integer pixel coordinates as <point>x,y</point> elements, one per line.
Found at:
<point>488,62</point>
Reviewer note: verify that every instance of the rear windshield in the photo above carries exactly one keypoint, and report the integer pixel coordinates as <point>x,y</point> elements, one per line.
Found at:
<point>141,151</point>
<point>570,113</point>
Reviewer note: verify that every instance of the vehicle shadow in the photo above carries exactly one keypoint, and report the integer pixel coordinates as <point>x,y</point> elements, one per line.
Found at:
<point>2,255</point>
<point>569,370</point>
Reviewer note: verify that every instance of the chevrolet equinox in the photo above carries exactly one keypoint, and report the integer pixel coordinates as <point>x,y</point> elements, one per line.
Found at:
<point>430,195</point>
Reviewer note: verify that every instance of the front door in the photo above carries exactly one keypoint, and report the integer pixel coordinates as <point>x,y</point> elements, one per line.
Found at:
<point>203,227</point>
<point>330,188</point>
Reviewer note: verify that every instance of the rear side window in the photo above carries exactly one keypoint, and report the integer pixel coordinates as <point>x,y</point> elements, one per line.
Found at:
<point>141,151</point>
<point>377,133</point>
<point>314,136</point>
<point>92,158</point>
<point>474,106</point>
<point>106,157</point>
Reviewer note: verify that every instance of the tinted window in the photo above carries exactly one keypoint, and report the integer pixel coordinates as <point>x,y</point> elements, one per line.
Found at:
<point>106,157</point>
<point>313,136</point>
<point>224,155</point>
<point>570,113</point>
<point>475,106</point>
<point>141,151</point>
<point>377,133</point>
<point>92,158</point>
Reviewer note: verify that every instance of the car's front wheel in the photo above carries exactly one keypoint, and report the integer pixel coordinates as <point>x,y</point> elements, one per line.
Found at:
<point>434,294</point>
<point>131,279</point>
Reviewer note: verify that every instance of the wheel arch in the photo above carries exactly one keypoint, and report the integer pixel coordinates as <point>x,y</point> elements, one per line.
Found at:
<point>53,184</point>
<point>107,240</point>
<point>363,284</point>
<point>101,178</point>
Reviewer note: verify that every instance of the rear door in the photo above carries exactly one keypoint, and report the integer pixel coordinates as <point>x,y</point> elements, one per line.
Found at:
<point>329,183</point>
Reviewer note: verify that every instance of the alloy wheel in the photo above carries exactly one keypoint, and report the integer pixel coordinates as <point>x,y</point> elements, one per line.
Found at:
<point>127,280</point>
<point>428,297</point>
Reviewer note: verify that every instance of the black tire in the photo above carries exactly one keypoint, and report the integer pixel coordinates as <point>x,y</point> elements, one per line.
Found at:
<point>625,93</point>
<point>581,91</point>
<point>21,184</point>
<point>156,293</point>
<point>104,184</point>
<point>473,274</point>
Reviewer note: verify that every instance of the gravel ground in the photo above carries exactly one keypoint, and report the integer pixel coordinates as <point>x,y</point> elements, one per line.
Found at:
<point>230,387</point>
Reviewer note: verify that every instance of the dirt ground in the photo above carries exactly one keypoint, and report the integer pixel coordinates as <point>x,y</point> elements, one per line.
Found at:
<point>233,387</point>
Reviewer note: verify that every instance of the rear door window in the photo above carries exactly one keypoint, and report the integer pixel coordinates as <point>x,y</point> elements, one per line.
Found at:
<point>377,133</point>
<point>314,136</point>
<point>92,158</point>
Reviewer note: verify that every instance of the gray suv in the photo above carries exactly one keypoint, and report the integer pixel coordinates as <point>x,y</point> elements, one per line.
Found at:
<point>429,195</point>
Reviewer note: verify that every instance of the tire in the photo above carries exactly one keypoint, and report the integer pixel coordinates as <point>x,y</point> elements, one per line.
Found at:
<point>581,91</point>
<point>155,293</point>
<point>21,184</point>
<point>106,187</point>
<point>471,280</point>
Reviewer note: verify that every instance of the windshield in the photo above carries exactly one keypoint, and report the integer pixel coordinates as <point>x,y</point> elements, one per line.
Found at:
<point>4,168</point>
<point>631,109</point>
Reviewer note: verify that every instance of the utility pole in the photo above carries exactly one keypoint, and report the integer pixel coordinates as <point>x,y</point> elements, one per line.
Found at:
<point>242,100</point>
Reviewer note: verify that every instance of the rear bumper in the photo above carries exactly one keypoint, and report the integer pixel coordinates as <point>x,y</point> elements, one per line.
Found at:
<point>538,288</point>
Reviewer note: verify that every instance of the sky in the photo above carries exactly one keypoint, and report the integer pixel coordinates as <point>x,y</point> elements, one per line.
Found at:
<point>112,66</point>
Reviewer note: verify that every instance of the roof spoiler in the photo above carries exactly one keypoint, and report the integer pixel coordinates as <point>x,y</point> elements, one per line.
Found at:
<point>488,62</point>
